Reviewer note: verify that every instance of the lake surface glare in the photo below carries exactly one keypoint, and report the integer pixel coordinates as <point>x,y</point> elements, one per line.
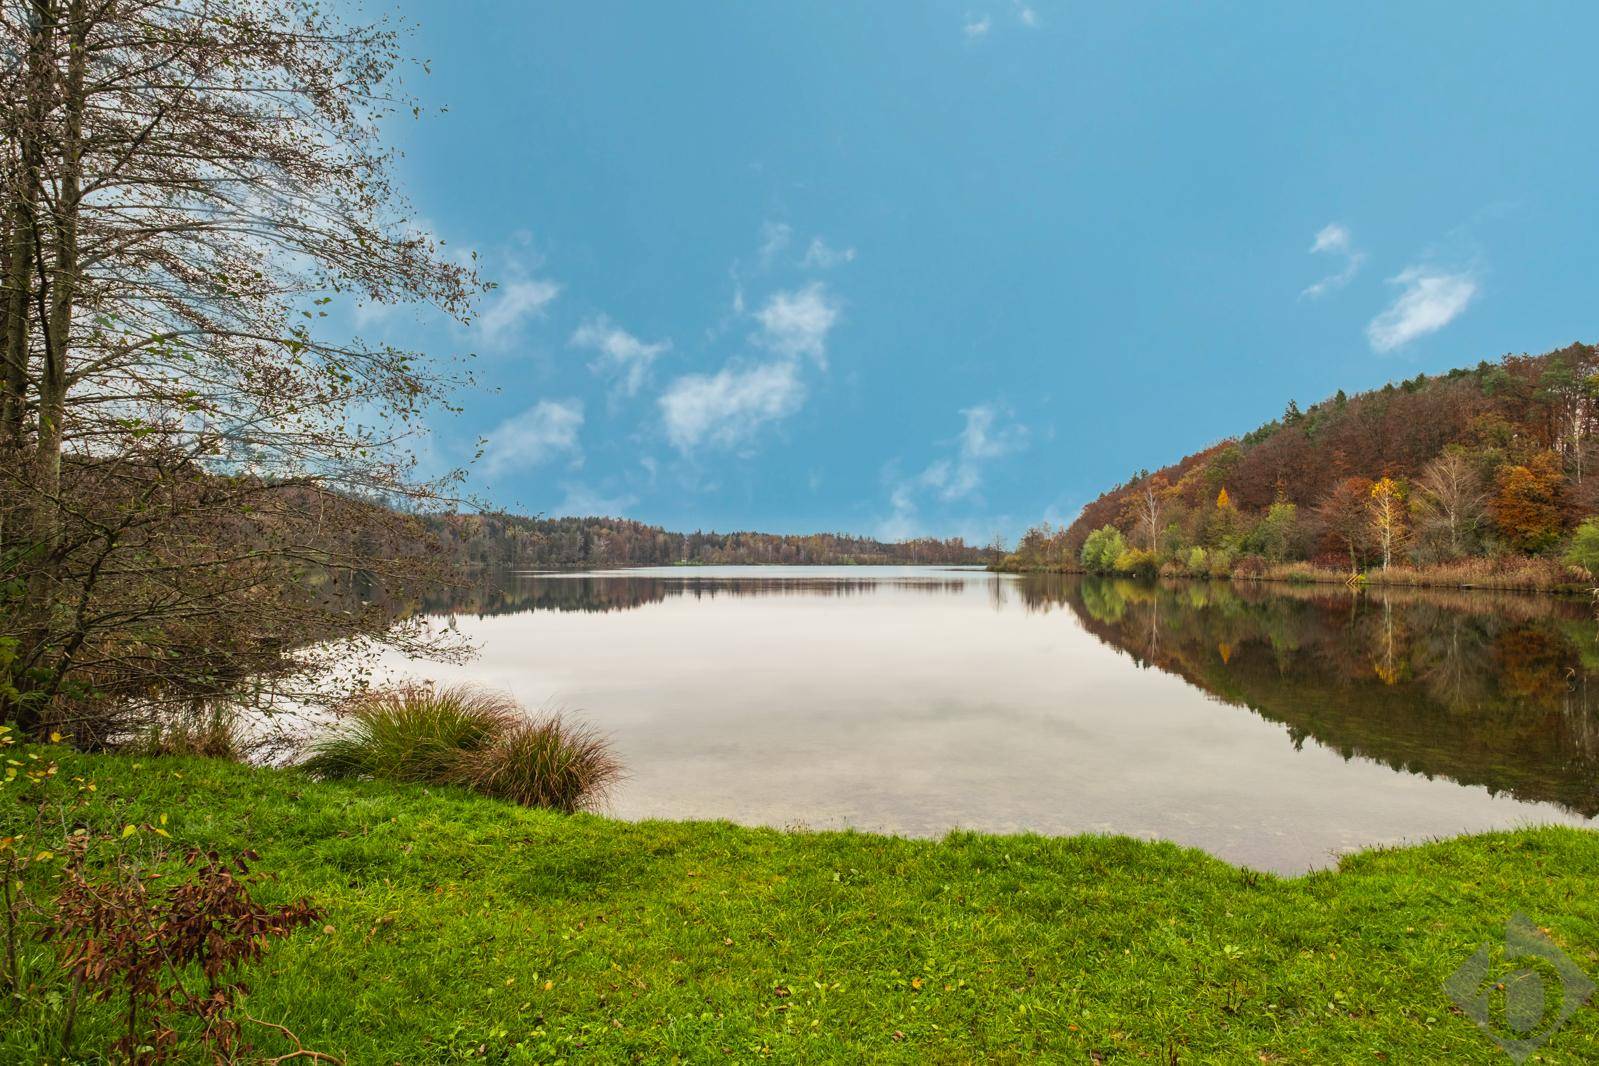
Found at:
<point>1273,727</point>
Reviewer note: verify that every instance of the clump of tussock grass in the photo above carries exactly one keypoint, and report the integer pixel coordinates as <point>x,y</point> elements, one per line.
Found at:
<point>208,732</point>
<point>544,762</point>
<point>411,732</point>
<point>469,736</point>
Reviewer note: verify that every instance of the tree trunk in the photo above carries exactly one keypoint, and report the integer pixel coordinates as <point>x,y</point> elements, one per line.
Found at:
<point>21,206</point>
<point>62,292</point>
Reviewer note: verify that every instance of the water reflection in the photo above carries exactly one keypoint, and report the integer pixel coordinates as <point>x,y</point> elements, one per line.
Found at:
<point>917,700</point>
<point>513,591</point>
<point>1485,689</point>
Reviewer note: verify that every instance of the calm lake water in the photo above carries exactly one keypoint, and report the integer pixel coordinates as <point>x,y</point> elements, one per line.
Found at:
<point>1274,727</point>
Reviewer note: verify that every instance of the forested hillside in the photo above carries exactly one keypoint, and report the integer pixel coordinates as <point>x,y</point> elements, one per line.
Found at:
<point>1495,462</point>
<point>570,543</point>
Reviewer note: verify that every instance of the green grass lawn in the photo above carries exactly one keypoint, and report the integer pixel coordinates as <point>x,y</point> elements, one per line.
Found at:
<point>461,929</point>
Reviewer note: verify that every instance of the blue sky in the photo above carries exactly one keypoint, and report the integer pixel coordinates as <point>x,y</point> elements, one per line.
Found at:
<point>953,268</point>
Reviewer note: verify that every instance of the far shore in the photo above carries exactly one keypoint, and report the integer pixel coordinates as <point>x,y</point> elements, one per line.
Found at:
<point>1530,575</point>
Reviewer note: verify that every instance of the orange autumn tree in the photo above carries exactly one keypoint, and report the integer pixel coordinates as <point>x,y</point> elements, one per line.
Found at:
<point>1526,505</point>
<point>1385,506</point>
<point>1343,519</point>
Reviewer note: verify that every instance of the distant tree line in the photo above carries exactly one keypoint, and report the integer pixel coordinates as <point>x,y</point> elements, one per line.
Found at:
<point>503,540</point>
<point>1491,463</point>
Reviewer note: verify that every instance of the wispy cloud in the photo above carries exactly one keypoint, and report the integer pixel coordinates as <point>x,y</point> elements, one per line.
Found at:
<point>511,306</point>
<point>797,322</point>
<point>726,408</point>
<point>1334,240</point>
<point>822,256</point>
<point>1429,300</point>
<point>618,352</point>
<point>532,437</point>
<point>775,238</point>
<point>977,27</point>
<point>1026,15</point>
<point>989,433</point>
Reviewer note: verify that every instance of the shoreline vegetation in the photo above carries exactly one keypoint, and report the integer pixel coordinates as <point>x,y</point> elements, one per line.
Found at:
<point>455,927</point>
<point>1519,575</point>
<point>1478,478</point>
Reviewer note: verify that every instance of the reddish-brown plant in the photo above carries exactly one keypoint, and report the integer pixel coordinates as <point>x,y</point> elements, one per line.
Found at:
<point>120,933</point>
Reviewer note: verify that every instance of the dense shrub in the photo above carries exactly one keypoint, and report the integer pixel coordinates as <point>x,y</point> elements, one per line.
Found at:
<point>1584,548</point>
<point>1138,562</point>
<point>1102,548</point>
<point>1249,566</point>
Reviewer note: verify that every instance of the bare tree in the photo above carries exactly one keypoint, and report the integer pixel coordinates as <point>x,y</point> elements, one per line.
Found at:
<point>1450,500</point>
<point>1146,507</point>
<point>188,451</point>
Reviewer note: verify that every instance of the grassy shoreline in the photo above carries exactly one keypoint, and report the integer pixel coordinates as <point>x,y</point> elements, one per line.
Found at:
<point>462,929</point>
<point>1533,579</point>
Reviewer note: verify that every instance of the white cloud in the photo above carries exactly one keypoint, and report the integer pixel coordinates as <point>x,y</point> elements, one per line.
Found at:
<point>797,323</point>
<point>822,256</point>
<point>531,437</point>
<point>618,352</point>
<point>726,408</point>
<point>989,434</point>
<point>987,437</point>
<point>512,305</point>
<point>1430,300</point>
<point>775,237</point>
<point>1334,239</point>
<point>977,27</point>
<point>1026,15</point>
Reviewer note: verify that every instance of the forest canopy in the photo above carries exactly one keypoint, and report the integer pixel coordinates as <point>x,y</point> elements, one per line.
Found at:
<point>1494,462</point>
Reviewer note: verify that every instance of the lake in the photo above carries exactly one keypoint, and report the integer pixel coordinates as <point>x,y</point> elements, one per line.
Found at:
<point>1273,726</point>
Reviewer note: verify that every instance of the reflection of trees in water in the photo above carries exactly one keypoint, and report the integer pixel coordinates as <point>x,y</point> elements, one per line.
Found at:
<point>511,593</point>
<point>1482,688</point>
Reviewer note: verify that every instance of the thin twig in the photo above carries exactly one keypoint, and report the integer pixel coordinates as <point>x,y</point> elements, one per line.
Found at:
<point>301,1051</point>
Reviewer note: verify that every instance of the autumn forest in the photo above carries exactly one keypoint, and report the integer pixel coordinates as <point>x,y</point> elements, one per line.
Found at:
<point>1478,476</point>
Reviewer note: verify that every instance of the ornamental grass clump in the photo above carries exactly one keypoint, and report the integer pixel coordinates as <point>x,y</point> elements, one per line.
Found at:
<point>413,733</point>
<point>546,762</point>
<point>468,736</point>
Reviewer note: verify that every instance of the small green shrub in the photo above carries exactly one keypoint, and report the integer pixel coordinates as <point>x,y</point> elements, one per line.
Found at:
<point>1584,548</point>
<point>1101,550</point>
<point>547,762</point>
<point>412,732</point>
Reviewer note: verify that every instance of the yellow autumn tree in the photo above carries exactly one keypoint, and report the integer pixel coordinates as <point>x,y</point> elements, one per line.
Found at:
<point>1386,507</point>
<point>1223,530</point>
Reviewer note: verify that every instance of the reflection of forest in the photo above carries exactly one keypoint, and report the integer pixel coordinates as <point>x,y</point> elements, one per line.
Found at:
<point>1488,689</point>
<point>509,593</point>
